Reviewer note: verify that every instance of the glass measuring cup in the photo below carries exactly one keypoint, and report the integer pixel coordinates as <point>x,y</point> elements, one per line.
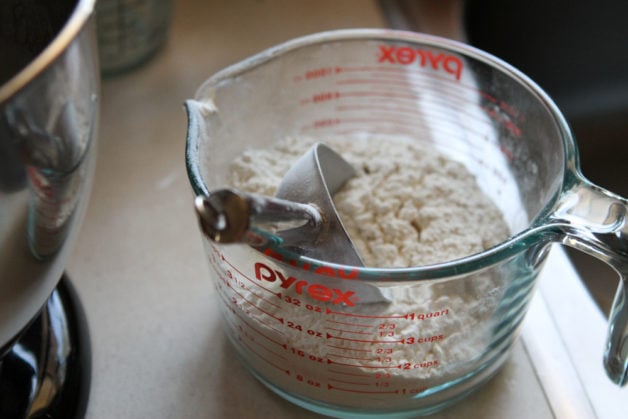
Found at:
<point>297,323</point>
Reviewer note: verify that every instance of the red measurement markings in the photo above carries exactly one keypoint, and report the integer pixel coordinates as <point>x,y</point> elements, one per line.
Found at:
<point>419,85</point>
<point>438,112</point>
<point>426,339</point>
<point>403,366</point>
<point>222,293</point>
<point>327,122</point>
<point>320,97</point>
<point>377,70</point>
<point>256,306</point>
<point>349,373</point>
<point>329,96</point>
<point>504,120</point>
<point>249,279</point>
<point>405,112</point>
<point>349,323</point>
<point>372,69</point>
<point>229,301</point>
<point>348,348</point>
<point>506,152</point>
<point>380,94</point>
<point>317,73</point>
<point>379,108</point>
<point>357,358</point>
<point>262,357</point>
<point>296,302</point>
<point>220,274</point>
<point>356,383</point>
<point>422,88</point>
<point>377,82</point>
<point>349,331</point>
<point>330,336</point>
<point>321,72</point>
<point>252,339</point>
<point>239,285</point>
<point>311,332</point>
<point>366,316</point>
<point>413,390</point>
<point>257,331</point>
<point>309,381</point>
<point>455,84</point>
<point>351,390</point>
<point>229,298</point>
<point>313,74</point>
<point>400,116</point>
<point>304,355</point>
<point>343,364</point>
<point>339,326</point>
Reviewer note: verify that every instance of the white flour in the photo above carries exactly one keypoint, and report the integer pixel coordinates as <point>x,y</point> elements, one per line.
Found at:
<point>407,206</point>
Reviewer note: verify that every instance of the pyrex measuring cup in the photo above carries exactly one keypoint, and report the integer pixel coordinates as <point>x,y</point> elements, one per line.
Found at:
<point>447,327</point>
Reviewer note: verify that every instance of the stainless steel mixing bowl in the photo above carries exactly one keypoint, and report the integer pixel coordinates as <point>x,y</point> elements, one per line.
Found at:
<point>49,85</point>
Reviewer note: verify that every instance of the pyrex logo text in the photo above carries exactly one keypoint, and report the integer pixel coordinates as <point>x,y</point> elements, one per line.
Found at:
<point>406,56</point>
<point>318,292</point>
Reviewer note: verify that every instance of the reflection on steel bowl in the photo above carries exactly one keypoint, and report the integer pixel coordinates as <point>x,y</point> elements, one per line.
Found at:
<point>49,85</point>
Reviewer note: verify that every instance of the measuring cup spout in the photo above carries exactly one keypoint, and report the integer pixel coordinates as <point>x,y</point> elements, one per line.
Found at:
<point>596,221</point>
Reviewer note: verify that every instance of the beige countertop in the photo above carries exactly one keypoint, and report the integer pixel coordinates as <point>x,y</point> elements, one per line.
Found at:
<point>158,347</point>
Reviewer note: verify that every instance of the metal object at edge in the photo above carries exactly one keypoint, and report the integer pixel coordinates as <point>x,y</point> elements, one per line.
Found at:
<point>49,90</point>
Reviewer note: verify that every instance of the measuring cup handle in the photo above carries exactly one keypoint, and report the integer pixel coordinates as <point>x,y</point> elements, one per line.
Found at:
<point>595,221</point>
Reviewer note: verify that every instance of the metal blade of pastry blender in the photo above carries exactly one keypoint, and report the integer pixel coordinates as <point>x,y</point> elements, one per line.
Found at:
<point>304,195</point>
<point>304,198</point>
<point>313,179</point>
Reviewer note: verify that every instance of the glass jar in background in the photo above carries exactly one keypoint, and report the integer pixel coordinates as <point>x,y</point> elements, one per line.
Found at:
<point>130,32</point>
